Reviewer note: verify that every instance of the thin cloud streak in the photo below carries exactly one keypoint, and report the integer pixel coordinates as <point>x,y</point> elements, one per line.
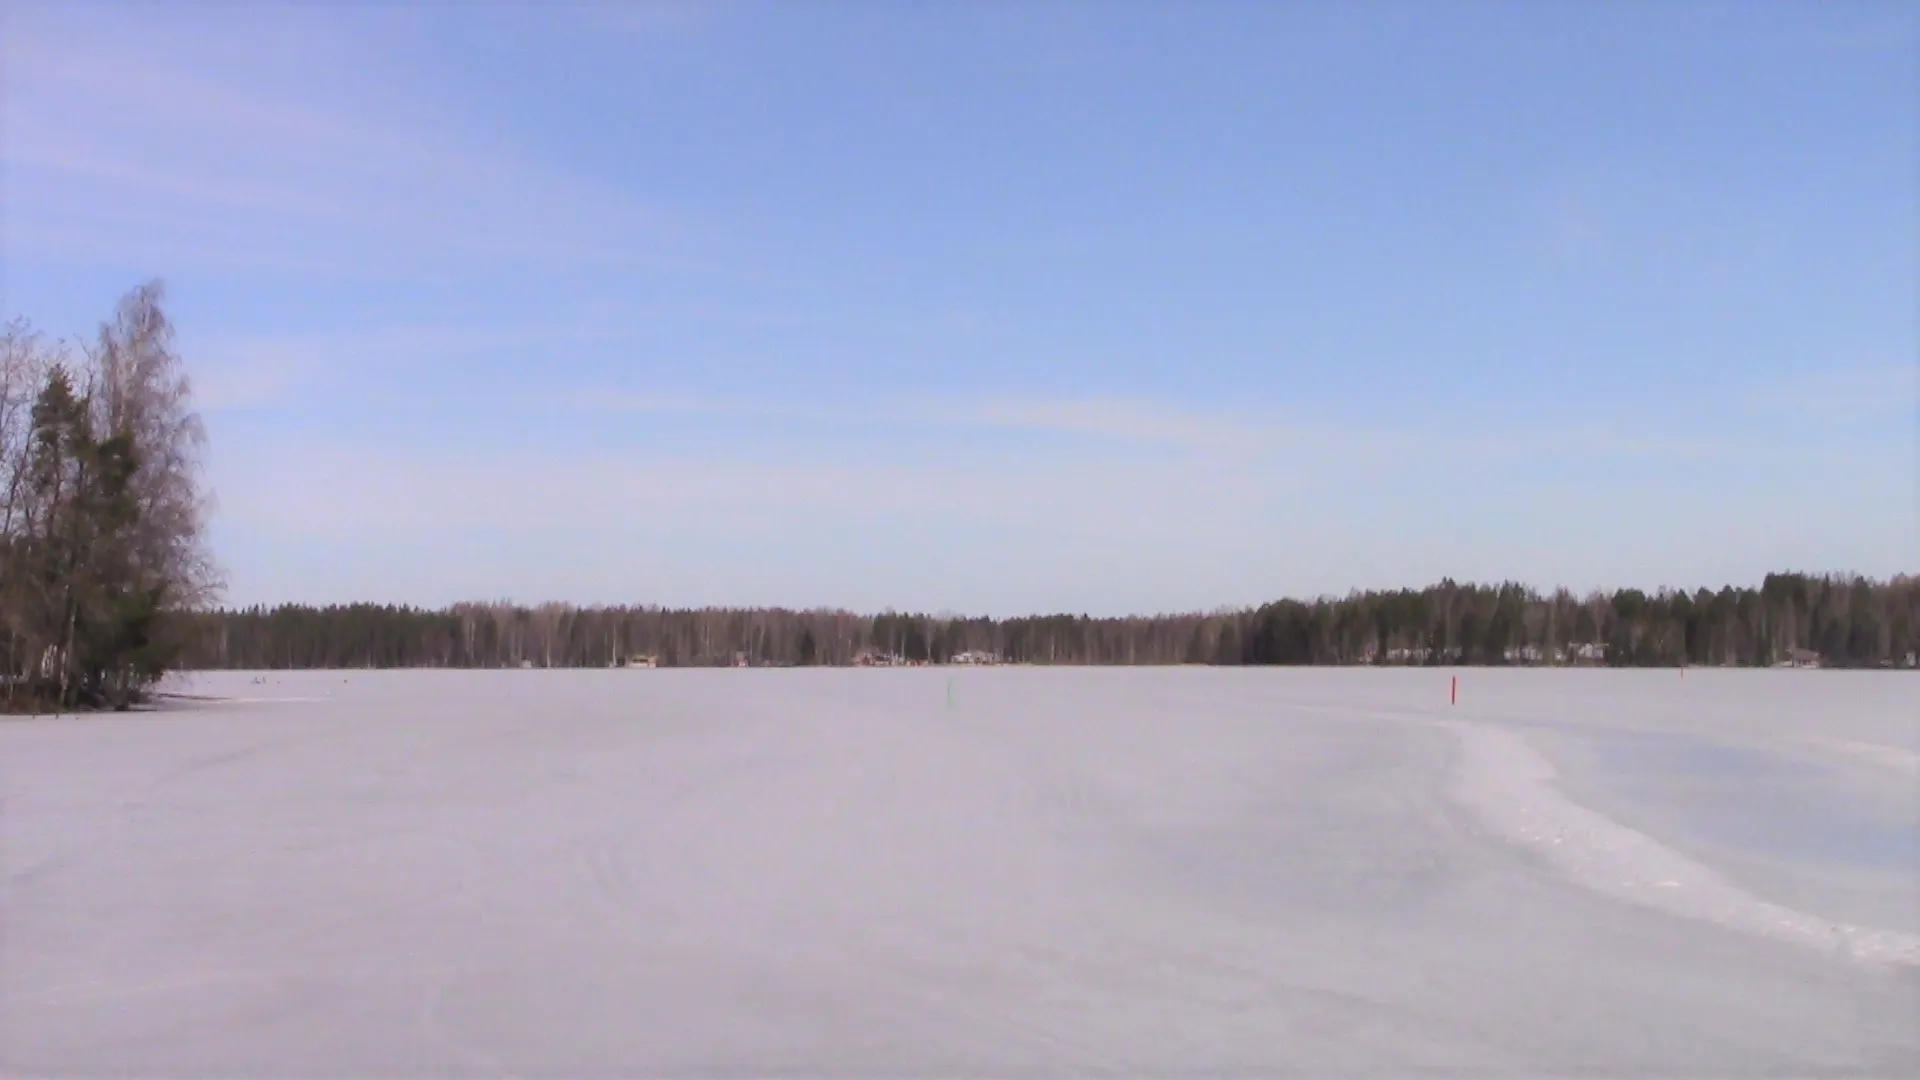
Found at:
<point>1845,394</point>
<point>1097,418</point>
<point>1029,529</point>
<point>321,491</point>
<point>175,137</point>
<point>631,404</point>
<point>246,372</point>
<point>1225,432</point>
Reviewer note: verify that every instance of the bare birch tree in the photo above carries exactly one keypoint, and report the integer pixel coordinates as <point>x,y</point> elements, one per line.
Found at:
<point>102,513</point>
<point>143,391</point>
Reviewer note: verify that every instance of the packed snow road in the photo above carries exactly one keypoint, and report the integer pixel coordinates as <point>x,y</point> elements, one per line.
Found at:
<point>843,874</point>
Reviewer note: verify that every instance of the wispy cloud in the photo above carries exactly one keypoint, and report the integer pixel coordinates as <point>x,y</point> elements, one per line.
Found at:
<point>1120,418</point>
<point>371,491</point>
<point>245,372</point>
<point>1224,433</point>
<point>632,404</point>
<point>1841,394</point>
<point>1108,419</point>
<point>170,132</point>
<point>990,531</point>
<point>1013,528</point>
<point>34,146</point>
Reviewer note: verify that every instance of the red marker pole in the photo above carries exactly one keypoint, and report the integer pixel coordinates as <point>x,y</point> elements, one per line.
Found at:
<point>1453,695</point>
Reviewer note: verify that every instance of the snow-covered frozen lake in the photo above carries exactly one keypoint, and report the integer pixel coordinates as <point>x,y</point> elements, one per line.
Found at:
<point>830,873</point>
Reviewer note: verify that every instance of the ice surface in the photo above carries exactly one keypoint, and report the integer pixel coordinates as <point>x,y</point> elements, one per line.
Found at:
<point>1512,788</point>
<point>834,873</point>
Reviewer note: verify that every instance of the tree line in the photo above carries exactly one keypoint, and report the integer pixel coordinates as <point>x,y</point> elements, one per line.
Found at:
<point>106,583</point>
<point>101,510</point>
<point>1789,618</point>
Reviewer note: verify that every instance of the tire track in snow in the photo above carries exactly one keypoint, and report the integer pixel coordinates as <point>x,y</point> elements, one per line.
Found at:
<point>1895,758</point>
<point>139,797</point>
<point>1511,787</point>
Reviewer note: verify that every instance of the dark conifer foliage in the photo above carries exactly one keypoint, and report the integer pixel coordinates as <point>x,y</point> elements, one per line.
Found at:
<point>1790,618</point>
<point>101,514</point>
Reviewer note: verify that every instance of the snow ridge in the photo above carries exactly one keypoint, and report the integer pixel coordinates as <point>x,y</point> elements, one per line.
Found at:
<point>1512,788</point>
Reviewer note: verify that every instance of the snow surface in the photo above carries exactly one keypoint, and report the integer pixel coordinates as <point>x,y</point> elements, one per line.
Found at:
<point>829,873</point>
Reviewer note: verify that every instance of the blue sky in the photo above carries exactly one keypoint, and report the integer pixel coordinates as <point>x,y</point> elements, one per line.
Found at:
<point>999,307</point>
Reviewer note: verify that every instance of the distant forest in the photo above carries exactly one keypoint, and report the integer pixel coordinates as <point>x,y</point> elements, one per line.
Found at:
<point>1791,618</point>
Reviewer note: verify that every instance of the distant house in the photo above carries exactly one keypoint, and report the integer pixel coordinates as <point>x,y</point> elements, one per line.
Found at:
<point>872,656</point>
<point>1592,652</point>
<point>1803,658</point>
<point>643,660</point>
<point>975,657</point>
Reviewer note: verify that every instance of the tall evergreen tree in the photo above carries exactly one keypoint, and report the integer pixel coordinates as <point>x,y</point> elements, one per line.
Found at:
<point>102,547</point>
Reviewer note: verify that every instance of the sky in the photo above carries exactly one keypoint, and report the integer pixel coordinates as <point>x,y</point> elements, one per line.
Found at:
<point>998,307</point>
